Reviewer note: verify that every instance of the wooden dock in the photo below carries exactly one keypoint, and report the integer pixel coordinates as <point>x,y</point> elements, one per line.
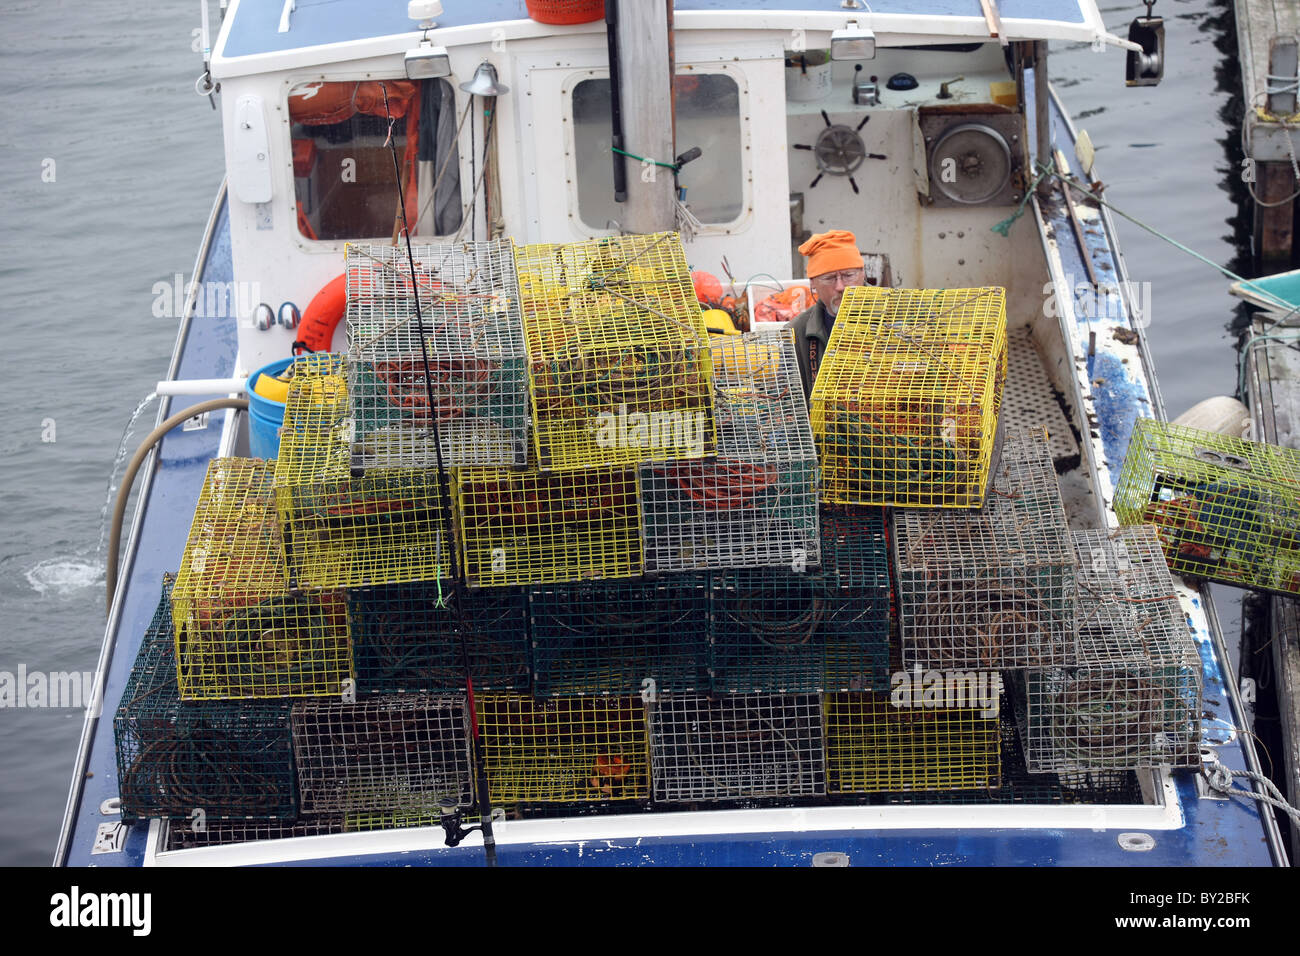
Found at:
<point>1267,49</point>
<point>1273,387</point>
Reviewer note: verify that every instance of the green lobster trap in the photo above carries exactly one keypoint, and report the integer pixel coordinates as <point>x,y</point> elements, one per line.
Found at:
<point>1226,509</point>
<point>211,760</point>
<point>240,631</point>
<point>904,741</point>
<point>621,637</point>
<point>469,374</point>
<point>343,528</point>
<point>404,638</point>
<point>1134,698</point>
<point>755,504</point>
<point>991,588</point>
<point>820,629</point>
<point>392,752</point>
<point>905,404</point>
<point>742,747</point>
<point>618,352</point>
<point>572,750</point>
<point>530,527</point>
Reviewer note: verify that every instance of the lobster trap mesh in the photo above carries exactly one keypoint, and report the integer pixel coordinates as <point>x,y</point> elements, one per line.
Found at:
<point>905,404</point>
<point>993,588</point>
<point>564,750</point>
<point>611,638</point>
<point>387,526</point>
<point>613,334</point>
<point>826,629</point>
<point>1134,699</point>
<point>240,633</point>
<point>755,505</point>
<point>1018,785</point>
<point>474,344</point>
<point>184,836</point>
<point>736,747</point>
<point>396,752</point>
<point>530,527</point>
<point>1226,509</point>
<point>873,746</point>
<point>229,761</point>
<point>404,638</point>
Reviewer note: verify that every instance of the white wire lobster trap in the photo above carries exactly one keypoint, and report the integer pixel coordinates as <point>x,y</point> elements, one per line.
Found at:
<point>741,747</point>
<point>470,372</point>
<point>993,588</point>
<point>393,752</point>
<point>755,505</point>
<point>1134,698</point>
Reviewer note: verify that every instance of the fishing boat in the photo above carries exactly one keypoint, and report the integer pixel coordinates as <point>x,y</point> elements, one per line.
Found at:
<point>925,127</point>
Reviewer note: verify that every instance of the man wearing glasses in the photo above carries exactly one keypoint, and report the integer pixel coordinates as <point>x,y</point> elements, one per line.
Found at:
<point>834,264</point>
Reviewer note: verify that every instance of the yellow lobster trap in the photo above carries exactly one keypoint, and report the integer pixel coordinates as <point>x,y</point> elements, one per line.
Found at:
<point>530,527</point>
<point>905,405</point>
<point>616,347</point>
<point>564,750</point>
<point>240,632</point>
<point>1226,509</point>
<point>348,529</point>
<point>905,740</point>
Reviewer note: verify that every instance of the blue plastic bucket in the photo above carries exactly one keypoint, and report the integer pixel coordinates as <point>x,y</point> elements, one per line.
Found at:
<point>265,416</point>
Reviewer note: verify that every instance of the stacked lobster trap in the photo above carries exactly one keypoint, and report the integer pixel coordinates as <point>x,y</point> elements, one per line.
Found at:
<point>344,526</point>
<point>614,333</point>
<point>408,637</point>
<point>905,405</point>
<point>992,588</point>
<point>391,752</point>
<point>736,747</point>
<point>240,631</point>
<point>787,630</point>
<point>226,760</point>
<point>755,503</point>
<point>460,360</point>
<point>621,637</point>
<point>1133,699</point>
<point>567,750</point>
<point>1226,509</point>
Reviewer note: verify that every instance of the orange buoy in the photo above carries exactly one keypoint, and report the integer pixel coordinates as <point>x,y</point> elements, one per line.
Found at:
<point>322,315</point>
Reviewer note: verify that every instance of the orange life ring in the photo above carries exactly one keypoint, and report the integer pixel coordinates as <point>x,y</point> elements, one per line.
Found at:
<point>322,316</point>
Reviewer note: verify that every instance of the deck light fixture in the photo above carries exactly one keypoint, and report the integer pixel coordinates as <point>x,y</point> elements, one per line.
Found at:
<point>853,43</point>
<point>427,61</point>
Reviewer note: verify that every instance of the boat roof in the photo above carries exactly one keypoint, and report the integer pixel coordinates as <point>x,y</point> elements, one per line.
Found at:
<point>252,29</point>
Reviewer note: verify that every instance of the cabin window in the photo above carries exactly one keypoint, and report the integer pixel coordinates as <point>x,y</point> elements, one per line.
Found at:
<point>343,171</point>
<point>708,116</point>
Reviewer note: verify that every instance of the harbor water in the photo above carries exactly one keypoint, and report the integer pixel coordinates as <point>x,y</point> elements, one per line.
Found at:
<point>110,163</point>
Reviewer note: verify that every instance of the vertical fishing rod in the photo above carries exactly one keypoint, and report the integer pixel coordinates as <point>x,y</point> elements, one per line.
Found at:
<point>444,501</point>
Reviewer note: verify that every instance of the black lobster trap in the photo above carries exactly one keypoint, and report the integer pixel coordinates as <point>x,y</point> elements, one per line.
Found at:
<point>813,629</point>
<point>621,637</point>
<point>407,637</point>
<point>210,760</point>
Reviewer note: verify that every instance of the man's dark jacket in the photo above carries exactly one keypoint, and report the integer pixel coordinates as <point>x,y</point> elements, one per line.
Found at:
<point>812,323</point>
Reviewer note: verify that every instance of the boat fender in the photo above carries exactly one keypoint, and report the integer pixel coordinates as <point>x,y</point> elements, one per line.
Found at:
<point>1221,414</point>
<point>322,316</point>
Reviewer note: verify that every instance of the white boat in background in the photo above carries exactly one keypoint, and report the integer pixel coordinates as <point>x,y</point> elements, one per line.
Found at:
<point>918,132</point>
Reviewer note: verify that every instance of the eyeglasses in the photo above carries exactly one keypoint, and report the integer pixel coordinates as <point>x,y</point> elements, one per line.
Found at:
<point>851,277</point>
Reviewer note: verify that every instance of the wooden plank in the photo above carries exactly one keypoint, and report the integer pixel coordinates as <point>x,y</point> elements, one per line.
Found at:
<point>1273,381</point>
<point>994,20</point>
<point>1274,225</point>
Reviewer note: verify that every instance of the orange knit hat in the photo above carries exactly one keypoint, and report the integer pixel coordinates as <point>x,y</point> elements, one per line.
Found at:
<point>832,251</point>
